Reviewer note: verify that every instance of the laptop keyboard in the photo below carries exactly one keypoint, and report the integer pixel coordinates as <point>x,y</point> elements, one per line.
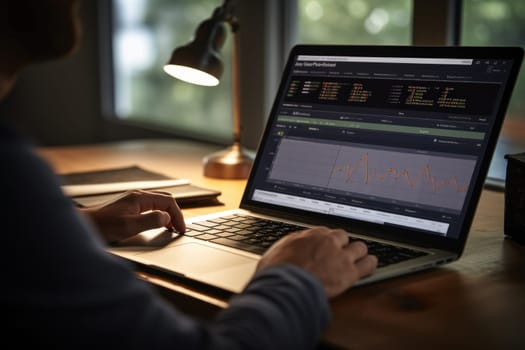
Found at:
<point>256,235</point>
<point>388,254</point>
<point>245,232</point>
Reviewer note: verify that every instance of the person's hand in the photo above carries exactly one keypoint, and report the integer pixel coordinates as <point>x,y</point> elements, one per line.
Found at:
<point>327,254</point>
<point>134,212</point>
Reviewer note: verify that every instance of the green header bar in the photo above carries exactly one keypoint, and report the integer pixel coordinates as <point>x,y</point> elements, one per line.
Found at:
<point>383,127</point>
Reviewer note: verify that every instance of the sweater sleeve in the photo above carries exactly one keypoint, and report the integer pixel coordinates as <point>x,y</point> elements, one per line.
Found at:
<point>283,307</point>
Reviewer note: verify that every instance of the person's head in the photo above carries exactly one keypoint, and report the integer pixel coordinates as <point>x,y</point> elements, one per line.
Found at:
<point>37,30</point>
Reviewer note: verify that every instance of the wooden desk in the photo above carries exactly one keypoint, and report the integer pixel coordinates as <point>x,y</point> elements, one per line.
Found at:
<point>476,302</point>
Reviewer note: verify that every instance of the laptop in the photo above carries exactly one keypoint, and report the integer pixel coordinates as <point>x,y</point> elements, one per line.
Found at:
<point>391,143</point>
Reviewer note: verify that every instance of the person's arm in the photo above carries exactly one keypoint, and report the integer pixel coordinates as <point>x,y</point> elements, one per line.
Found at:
<point>283,307</point>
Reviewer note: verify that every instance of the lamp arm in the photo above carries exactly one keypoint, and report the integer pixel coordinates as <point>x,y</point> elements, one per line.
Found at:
<point>236,90</point>
<point>226,13</point>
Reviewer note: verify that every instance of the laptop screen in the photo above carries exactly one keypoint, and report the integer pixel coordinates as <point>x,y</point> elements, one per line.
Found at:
<point>399,138</point>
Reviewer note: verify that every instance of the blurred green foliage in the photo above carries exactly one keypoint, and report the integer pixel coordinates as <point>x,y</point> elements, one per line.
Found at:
<point>355,21</point>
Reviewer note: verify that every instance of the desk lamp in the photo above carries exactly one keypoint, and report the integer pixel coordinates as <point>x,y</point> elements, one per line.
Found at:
<point>199,62</point>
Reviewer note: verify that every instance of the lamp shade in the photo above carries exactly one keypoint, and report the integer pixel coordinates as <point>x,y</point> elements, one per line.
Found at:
<point>199,62</point>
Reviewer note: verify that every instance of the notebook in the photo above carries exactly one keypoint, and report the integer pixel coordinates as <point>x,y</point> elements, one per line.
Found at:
<point>92,188</point>
<point>391,143</point>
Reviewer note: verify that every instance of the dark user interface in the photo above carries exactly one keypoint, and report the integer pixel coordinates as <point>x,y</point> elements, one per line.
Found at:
<point>396,141</point>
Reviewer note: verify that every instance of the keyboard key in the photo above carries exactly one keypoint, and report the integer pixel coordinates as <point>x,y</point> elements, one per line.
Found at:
<point>192,233</point>
<point>208,223</point>
<point>206,237</point>
<point>197,227</point>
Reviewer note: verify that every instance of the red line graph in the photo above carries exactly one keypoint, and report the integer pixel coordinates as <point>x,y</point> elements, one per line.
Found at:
<point>422,175</point>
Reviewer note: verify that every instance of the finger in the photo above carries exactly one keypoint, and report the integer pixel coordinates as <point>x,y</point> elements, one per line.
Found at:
<point>149,220</point>
<point>341,236</point>
<point>356,250</point>
<point>153,201</point>
<point>177,219</point>
<point>366,266</point>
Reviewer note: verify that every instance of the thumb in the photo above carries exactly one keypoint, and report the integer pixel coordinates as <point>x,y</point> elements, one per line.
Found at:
<point>150,220</point>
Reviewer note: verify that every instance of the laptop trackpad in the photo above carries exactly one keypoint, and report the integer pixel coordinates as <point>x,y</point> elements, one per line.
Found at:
<point>219,267</point>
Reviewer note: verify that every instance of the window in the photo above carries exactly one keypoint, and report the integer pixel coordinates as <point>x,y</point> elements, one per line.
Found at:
<point>144,34</point>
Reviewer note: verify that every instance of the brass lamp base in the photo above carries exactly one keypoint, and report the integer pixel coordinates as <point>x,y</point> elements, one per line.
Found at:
<point>232,163</point>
